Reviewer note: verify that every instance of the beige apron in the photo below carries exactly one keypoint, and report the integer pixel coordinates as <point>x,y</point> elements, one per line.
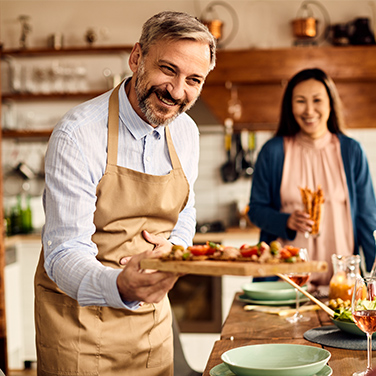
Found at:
<point>105,341</point>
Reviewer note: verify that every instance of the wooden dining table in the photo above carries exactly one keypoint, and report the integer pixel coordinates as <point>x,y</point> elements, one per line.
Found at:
<point>244,328</point>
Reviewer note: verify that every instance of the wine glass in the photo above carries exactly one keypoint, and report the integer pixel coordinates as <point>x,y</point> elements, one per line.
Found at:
<point>363,309</point>
<point>300,279</point>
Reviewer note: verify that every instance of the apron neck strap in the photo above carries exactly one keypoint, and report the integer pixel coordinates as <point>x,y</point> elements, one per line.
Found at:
<point>173,155</point>
<point>113,127</point>
<point>113,132</point>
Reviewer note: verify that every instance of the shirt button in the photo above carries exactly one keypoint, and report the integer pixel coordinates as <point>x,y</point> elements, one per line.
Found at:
<point>49,242</point>
<point>148,159</point>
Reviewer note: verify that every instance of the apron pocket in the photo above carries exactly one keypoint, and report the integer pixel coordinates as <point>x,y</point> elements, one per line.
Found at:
<point>67,335</point>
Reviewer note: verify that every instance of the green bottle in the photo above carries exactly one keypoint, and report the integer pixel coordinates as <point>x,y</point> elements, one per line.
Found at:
<point>27,223</point>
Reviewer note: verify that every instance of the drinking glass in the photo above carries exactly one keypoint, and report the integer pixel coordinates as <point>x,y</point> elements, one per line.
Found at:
<point>363,309</point>
<point>300,279</point>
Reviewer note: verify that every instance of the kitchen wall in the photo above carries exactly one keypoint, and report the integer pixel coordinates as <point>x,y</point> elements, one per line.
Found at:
<point>261,24</point>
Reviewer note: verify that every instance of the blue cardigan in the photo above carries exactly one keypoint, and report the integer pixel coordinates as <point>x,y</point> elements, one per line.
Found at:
<point>265,202</point>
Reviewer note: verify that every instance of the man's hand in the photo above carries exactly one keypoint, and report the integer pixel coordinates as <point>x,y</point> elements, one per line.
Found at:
<point>299,221</point>
<point>135,284</point>
<point>160,243</point>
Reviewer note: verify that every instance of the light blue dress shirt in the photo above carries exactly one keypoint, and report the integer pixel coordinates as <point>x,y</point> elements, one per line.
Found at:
<point>75,163</point>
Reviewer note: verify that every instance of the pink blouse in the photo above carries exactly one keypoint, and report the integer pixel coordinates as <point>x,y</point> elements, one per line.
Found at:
<point>310,163</point>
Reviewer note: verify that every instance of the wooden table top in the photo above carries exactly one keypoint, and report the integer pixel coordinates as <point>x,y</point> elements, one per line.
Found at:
<point>243,328</point>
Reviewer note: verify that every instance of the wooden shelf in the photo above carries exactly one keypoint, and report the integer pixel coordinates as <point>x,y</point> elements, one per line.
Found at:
<point>66,51</point>
<point>55,96</point>
<point>261,75</point>
<point>45,133</point>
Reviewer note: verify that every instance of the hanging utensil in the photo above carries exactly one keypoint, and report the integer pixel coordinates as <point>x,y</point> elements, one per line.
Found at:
<point>247,146</point>
<point>239,154</point>
<point>229,172</point>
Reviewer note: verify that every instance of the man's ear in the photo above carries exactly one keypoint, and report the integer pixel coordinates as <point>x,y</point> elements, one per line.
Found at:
<point>135,57</point>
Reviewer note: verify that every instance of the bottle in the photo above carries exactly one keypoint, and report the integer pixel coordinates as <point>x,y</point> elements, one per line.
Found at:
<point>16,217</point>
<point>345,271</point>
<point>27,224</point>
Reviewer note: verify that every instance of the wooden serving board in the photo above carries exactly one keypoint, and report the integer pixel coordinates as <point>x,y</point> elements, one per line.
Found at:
<point>241,268</point>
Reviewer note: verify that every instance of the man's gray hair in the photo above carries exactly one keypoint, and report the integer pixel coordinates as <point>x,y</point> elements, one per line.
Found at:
<point>172,26</point>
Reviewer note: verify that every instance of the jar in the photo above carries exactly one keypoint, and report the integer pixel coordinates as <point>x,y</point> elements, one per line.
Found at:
<point>340,35</point>
<point>345,271</point>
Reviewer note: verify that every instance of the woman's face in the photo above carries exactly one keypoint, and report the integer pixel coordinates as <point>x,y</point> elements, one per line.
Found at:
<point>311,107</point>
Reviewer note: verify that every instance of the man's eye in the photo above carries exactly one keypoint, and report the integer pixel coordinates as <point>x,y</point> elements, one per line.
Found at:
<point>166,69</point>
<point>194,81</point>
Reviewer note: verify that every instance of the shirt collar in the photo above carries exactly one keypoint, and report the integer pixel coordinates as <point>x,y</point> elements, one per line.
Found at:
<point>136,126</point>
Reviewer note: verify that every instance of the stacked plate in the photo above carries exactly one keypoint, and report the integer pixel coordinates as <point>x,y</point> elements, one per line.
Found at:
<point>270,293</point>
<point>274,360</point>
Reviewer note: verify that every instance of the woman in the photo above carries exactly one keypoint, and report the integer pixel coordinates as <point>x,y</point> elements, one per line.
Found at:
<point>311,150</point>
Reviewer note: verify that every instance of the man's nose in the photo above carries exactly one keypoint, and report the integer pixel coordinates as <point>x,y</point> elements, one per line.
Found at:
<point>176,88</point>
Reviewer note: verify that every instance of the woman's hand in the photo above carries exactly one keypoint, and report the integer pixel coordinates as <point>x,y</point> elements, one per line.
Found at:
<point>299,221</point>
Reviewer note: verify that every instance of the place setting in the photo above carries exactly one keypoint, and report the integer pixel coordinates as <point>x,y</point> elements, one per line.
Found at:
<point>286,360</point>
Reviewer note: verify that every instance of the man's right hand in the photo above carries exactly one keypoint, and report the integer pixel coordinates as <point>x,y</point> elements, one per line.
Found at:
<point>134,284</point>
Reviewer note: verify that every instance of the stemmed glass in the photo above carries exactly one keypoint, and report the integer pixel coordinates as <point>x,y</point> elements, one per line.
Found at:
<point>300,279</point>
<point>363,309</point>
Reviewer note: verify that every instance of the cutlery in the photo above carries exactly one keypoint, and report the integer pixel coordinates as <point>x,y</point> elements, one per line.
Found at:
<point>279,311</point>
<point>323,306</point>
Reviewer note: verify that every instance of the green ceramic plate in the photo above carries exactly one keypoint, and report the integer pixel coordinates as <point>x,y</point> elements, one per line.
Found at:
<point>348,327</point>
<point>276,360</point>
<point>223,370</point>
<point>270,291</point>
<point>244,298</point>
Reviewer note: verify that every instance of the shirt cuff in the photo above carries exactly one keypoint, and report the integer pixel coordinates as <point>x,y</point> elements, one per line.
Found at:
<point>111,292</point>
<point>178,241</point>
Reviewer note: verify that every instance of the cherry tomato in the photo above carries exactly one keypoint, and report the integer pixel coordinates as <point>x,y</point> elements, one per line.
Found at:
<point>250,251</point>
<point>293,250</point>
<point>213,247</point>
<point>199,250</point>
<point>284,253</point>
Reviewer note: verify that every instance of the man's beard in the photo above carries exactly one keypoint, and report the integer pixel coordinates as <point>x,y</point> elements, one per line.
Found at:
<point>157,115</point>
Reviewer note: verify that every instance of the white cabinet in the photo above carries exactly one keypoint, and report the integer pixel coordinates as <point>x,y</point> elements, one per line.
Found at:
<point>13,309</point>
<point>19,302</point>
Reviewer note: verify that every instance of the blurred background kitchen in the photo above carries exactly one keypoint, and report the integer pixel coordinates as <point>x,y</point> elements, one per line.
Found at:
<point>55,54</point>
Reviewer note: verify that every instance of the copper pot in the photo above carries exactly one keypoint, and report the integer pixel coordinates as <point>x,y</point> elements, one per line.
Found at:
<point>215,27</point>
<point>304,27</point>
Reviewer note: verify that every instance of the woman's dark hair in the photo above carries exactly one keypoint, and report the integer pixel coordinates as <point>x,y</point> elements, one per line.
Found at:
<point>288,126</point>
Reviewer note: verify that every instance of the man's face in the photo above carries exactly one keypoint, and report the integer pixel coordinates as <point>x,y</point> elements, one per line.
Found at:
<point>169,79</point>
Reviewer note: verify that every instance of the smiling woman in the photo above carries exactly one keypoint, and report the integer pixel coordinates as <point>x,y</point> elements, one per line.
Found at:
<point>309,150</point>
<point>311,107</point>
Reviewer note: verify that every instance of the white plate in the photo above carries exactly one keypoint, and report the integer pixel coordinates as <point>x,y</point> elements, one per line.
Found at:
<point>245,299</point>
<point>222,370</point>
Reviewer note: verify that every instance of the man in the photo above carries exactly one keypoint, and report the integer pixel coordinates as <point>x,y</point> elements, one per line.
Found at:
<point>119,176</point>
